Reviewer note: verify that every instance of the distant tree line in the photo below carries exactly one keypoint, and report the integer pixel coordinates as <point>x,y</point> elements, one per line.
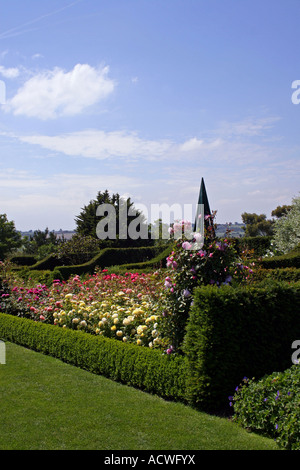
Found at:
<point>284,227</point>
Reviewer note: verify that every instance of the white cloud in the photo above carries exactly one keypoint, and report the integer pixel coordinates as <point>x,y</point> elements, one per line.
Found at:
<point>248,127</point>
<point>34,202</point>
<point>192,144</point>
<point>37,56</point>
<point>12,72</point>
<point>51,94</point>
<point>100,144</point>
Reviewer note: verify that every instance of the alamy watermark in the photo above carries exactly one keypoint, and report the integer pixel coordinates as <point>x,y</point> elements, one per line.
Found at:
<point>296,354</point>
<point>130,223</point>
<point>2,353</point>
<point>296,94</point>
<point>2,92</point>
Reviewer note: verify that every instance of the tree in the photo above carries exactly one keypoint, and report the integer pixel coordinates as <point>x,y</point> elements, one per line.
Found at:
<point>10,238</point>
<point>287,229</point>
<point>280,211</point>
<point>40,243</point>
<point>78,249</point>
<point>120,218</point>
<point>257,225</point>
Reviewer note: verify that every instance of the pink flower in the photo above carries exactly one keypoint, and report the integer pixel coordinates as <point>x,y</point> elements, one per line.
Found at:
<point>186,245</point>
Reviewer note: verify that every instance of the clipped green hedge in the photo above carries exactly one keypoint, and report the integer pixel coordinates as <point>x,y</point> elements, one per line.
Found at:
<point>158,261</point>
<point>278,274</point>
<point>283,261</point>
<point>137,366</point>
<point>112,257</point>
<point>23,260</point>
<point>237,332</point>
<point>48,263</point>
<point>260,245</point>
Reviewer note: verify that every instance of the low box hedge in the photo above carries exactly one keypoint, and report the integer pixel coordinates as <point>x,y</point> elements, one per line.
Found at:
<point>237,332</point>
<point>138,366</point>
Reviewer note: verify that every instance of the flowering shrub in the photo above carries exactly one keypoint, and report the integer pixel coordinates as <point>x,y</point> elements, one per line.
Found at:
<point>124,307</point>
<point>215,263</point>
<point>270,406</point>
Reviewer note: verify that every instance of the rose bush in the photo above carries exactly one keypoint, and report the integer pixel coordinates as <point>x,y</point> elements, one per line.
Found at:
<point>124,307</point>
<point>216,262</point>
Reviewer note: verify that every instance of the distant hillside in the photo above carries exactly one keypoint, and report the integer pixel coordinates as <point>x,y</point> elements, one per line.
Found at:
<point>236,229</point>
<point>66,234</point>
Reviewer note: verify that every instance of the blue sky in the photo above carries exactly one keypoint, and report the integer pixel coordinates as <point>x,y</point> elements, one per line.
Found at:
<point>144,98</point>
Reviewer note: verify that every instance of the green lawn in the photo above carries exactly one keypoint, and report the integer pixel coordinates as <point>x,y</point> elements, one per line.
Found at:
<point>48,405</point>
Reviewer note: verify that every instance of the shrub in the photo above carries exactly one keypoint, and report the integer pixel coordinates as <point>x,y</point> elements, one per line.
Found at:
<point>277,274</point>
<point>23,260</point>
<point>290,260</point>
<point>141,367</point>
<point>216,263</point>
<point>236,332</point>
<point>259,245</point>
<point>270,406</point>
<point>79,249</point>
<point>111,257</point>
<point>287,228</point>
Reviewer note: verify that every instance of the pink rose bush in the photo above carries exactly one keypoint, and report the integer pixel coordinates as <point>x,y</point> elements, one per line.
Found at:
<point>216,263</point>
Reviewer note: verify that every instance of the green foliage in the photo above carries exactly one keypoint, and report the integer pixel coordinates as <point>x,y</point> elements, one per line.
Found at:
<point>40,244</point>
<point>270,406</point>
<point>133,365</point>
<point>110,257</point>
<point>23,260</point>
<point>79,249</point>
<point>281,211</point>
<point>10,239</point>
<point>260,245</point>
<point>45,276</point>
<point>287,228</point>
<point>236,332</point>
<point>257,225</point>
<point>87,221</point>
<point>290,260</point>
<point>48,263</point>
<point>216,263</point>
<point>290,274</point>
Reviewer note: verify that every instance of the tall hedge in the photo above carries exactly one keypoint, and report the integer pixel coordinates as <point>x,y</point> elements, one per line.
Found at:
<point>237,332</point>
<point>260,245</point>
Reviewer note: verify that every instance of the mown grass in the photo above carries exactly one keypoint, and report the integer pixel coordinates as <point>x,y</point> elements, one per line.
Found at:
<point>46,404</point>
